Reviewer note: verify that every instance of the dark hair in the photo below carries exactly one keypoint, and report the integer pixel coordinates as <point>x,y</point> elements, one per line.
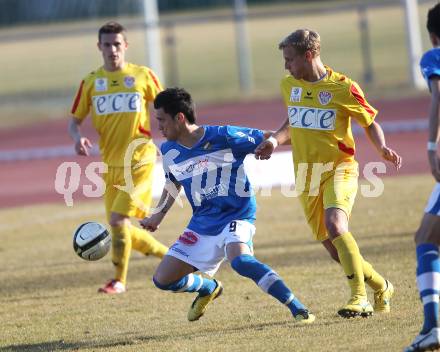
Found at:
<point>175,100</point>
<point>433,23</point>
<point>112,27</point>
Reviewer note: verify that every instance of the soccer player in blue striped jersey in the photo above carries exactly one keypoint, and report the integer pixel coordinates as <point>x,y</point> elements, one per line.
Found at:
<point>207,161</point>
<point>428,235</point>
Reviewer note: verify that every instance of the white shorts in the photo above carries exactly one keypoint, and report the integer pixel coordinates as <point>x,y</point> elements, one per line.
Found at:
<point>433,206</point>
<point>206,253</point>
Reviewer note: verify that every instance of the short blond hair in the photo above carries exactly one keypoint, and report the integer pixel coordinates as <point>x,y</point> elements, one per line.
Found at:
<point>303,40</point>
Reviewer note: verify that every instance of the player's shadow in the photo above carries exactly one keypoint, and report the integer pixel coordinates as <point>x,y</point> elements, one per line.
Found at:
<point>54,346</point>
<point>45,346</point>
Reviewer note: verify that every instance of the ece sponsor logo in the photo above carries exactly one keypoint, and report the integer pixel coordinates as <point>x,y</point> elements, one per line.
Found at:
<point>117,102</point>
<point>312,118</point>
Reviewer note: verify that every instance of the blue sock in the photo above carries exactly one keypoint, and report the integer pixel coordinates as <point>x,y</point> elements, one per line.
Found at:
<point>189,283</point>
<point>428,282</point>
<point>268,280</point>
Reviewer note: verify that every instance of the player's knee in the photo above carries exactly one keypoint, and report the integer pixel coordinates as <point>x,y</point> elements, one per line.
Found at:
<point>118,220</point>
<point>162,285</point>
<point>248,266</point>
<point>242,263</point>
<point>335,228</point>
<point>175,286</point>
<point>426,236</point>
<point>419,237</point>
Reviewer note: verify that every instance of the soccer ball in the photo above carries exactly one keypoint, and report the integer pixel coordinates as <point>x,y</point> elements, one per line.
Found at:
<point>91,241</point>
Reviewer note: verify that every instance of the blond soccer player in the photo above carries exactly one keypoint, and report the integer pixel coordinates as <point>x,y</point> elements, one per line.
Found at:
<point>320,105</point>
<point>117,97</point>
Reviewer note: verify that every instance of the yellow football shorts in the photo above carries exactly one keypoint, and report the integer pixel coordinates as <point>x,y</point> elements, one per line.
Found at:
<point>128,191</point>
<point>336,191</point>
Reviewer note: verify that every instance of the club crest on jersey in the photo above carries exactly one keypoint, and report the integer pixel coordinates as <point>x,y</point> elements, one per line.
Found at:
<point>295,94</point>
<point>324,97</point>
<point>101,84</point>
<point>129,81</point>
<point>189,238</point>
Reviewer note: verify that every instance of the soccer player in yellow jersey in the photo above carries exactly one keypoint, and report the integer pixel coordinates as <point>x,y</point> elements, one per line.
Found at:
<point>320,104</point>
<point>117,96</point>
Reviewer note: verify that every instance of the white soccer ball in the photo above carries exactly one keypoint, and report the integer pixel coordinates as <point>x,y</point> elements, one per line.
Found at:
<point>91,241</point>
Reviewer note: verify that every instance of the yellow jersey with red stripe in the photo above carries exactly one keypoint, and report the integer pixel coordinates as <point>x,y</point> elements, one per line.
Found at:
<point>320,116</point>
<point>118,104</point>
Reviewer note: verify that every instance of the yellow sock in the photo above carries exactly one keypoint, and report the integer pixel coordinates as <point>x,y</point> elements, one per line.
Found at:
<point>372,277</point>
<point>143,242</point>
<point>121,245</point>
<point>351,261</point>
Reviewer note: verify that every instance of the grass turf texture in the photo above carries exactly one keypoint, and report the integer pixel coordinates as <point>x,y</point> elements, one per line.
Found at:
<point>48,299</point>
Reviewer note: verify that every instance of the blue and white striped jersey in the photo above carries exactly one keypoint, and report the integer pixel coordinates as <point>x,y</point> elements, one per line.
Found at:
<point>213,177</point>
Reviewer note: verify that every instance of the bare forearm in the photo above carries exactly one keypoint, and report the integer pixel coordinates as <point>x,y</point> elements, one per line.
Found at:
<point>434,121</point>
<point>74,130</point>
<point>282,134</point>
<point>433,129</point>
<point>376,136</point>
<point>169,194</point>
<point>267,133</point>
<point>168,197</point>
<point>265,149</point>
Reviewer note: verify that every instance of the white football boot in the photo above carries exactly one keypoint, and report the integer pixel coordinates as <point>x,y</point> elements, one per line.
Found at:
<point>425,342</point>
